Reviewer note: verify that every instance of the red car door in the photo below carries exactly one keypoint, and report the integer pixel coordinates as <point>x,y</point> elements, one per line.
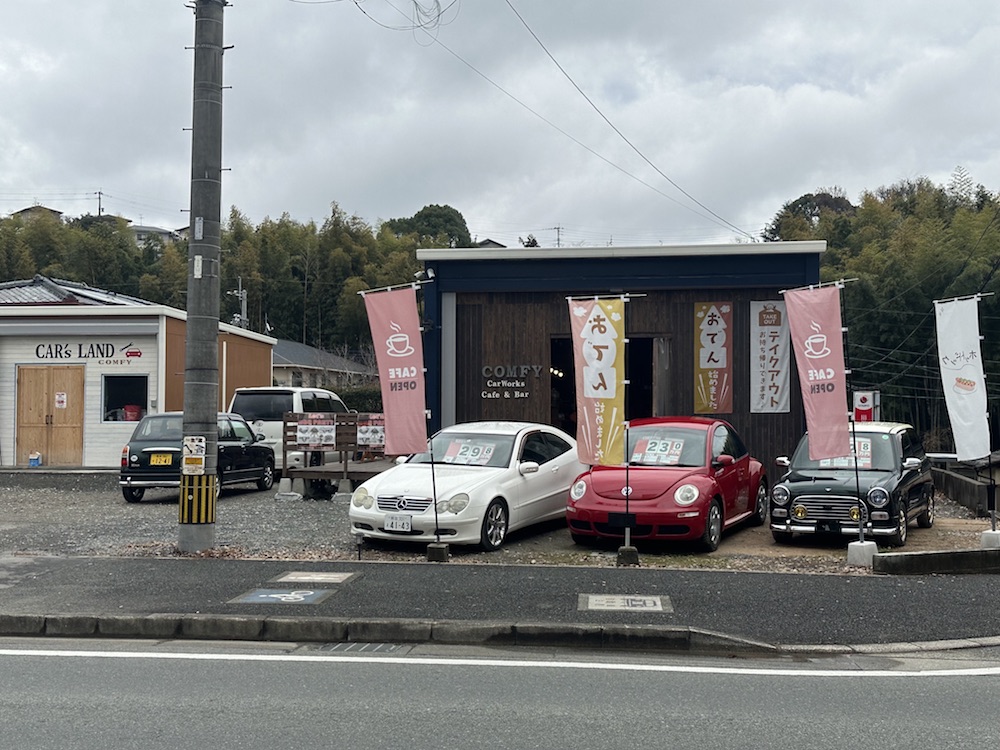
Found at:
<point>731,477</point>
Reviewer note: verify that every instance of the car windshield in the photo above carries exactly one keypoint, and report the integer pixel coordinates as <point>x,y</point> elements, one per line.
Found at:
<point>666,445</point>
<point>468,449</point>
<point>874,452</point>
<point>160,427</point>
<point>268,406</point>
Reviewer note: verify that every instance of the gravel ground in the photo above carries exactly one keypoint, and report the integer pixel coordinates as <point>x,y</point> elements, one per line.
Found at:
<point>87,516</point>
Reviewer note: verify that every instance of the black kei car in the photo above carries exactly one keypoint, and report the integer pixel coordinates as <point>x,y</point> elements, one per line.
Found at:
<point>152,456</point>
<point>893,479</point>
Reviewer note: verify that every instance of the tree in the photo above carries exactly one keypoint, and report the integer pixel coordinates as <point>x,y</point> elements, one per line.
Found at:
<point>530,242</point>
<point>441,225</point>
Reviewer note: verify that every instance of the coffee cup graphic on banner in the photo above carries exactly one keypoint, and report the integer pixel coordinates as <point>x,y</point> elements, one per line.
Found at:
<point>815,345</point>
<point>398,343</point>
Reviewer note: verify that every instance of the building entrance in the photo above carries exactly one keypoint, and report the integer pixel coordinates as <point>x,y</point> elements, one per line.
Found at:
<point>639,365</point>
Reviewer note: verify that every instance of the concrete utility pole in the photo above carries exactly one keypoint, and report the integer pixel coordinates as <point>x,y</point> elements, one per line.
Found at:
<point>199,482</point>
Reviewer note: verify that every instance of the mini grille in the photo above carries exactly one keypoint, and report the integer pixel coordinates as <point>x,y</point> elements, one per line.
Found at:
<point>826,507</point>
<point>403,504</point>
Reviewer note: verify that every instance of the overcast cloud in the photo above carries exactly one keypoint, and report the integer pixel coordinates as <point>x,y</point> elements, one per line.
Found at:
<point>743,104</point>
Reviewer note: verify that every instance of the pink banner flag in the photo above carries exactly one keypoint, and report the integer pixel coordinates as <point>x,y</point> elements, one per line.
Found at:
<point>395,326</point>
<point>818,342</point>
<point>599,354</point>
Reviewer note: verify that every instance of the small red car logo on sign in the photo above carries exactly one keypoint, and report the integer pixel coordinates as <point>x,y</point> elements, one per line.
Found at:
<point>133,353</point>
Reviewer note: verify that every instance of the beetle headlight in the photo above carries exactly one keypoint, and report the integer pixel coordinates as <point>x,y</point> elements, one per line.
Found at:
<point>878,497</point>
<point>780,494</point>
<point>362,498</point>
<point>578,490</point>
<point>454,504</point>
<point>686,494</point>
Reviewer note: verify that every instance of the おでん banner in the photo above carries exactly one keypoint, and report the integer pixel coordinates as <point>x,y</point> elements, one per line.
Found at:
<point>962,376</point>
<point>598,327</point>
<point>395,327</point>
<point>818,342</point>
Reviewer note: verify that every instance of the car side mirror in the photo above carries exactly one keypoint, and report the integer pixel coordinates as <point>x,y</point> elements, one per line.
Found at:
<point>723,459</point>
<point>259,437</point>
<point>783,461</point>
<point>401,459</point>
<point>911,463</point>
<point>527,467</point>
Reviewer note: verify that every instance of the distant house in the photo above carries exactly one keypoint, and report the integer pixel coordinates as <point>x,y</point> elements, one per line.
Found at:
<point>297,364</point>
<point>489,243</point>
<point>143,233</point>
<point>33,212</point>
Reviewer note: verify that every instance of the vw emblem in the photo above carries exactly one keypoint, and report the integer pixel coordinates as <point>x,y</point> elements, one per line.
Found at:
<point>626,491</point>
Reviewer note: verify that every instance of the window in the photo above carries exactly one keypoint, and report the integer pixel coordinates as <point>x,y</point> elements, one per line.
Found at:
<point>126,398</point>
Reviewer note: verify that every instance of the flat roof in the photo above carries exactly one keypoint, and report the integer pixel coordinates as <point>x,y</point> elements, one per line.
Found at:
<point>654,251</point>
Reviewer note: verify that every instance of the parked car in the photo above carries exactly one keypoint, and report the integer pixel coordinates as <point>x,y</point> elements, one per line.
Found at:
<point>265,407</point>
<point>488,479</point>
<point>687,479</point>
<point>152,456</point>
<point>891,486</point>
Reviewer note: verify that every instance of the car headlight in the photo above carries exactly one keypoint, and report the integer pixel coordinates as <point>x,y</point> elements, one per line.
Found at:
<point>455,504</point>
<point>686,494</point>
<point>878,497</point>
<point>780,494</point>
<point>362,498</point>
<point>578,490</point>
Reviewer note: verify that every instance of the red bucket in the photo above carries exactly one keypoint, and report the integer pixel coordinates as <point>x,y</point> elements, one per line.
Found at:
<point>133,413</point>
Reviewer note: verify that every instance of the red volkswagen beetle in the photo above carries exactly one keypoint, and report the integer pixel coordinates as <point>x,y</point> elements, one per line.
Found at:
<point>688,478</point>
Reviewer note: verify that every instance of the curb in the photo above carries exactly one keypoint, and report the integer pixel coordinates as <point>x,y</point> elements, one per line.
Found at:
<point>952,562</point>
<point>444,632</point>
<point>361,630</point>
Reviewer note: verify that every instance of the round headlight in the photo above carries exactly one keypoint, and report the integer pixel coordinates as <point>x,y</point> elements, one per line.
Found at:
<point>362,499</point>
<point>455,504</point>
<point>578,490</point>
<point>780,494</point>
<point>686,494</point>
<point>878,497</point>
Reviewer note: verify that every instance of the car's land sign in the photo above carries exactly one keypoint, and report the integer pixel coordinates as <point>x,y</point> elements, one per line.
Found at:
<point>398,522</point>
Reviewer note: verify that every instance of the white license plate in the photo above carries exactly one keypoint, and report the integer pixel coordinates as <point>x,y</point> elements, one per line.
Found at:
<point>394,522</point>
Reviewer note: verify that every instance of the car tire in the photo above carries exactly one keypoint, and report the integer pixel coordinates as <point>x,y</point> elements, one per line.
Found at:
<point>495,524</point>
<point>266,480</point>
<point>782,537</point>
<point>926,518</point>
<point>583,541</point>
<point>712,535</point>
<point>763,504</point>
<point>218,482</point>
<point>898,538</point>
<point>133,494</point>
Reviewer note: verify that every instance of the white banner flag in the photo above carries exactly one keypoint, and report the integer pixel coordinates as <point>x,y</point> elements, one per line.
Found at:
<point>770,362</point>
<point>962,376</point>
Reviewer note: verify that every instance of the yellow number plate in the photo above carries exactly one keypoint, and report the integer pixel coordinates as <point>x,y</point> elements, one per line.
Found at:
<point>160,459</point>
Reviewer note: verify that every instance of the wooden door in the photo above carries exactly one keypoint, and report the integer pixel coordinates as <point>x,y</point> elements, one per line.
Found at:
<point>50,414</point>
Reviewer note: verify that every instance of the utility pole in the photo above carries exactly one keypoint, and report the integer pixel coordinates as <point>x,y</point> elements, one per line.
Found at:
<point>241,294</point>
<point>199,480</point>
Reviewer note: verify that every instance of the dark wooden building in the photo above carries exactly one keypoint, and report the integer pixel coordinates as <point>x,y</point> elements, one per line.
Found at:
<point>497,341</point>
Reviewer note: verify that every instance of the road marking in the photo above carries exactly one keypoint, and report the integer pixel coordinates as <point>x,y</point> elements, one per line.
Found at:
<point>282,596</point>
<point>625,602</point>
<point>512,663</point>
<point>312,577</point>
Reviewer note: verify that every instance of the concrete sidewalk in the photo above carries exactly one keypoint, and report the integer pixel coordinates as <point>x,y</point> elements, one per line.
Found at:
<point>371,602</point>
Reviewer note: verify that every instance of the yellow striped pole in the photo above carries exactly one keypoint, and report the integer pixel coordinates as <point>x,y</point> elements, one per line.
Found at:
<point>197,499</point>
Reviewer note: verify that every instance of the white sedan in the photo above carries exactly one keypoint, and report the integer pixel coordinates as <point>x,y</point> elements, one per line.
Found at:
<point>489,478</point>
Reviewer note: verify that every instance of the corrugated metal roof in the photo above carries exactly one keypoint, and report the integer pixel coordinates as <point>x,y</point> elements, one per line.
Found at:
<point>42,290</point>
<point>291,353</point>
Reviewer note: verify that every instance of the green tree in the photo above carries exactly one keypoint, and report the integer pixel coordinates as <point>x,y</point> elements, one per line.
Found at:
<point>443,226</point>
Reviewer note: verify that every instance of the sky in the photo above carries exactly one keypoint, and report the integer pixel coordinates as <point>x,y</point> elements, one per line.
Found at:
<point>582,123</point>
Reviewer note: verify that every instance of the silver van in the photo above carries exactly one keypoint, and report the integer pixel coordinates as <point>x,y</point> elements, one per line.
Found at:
<point>265,407</point>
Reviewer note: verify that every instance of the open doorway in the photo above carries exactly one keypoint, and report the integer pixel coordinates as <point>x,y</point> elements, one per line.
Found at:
<point>638,371</point>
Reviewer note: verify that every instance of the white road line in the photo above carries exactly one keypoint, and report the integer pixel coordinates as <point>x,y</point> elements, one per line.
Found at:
<point>508,663</point>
